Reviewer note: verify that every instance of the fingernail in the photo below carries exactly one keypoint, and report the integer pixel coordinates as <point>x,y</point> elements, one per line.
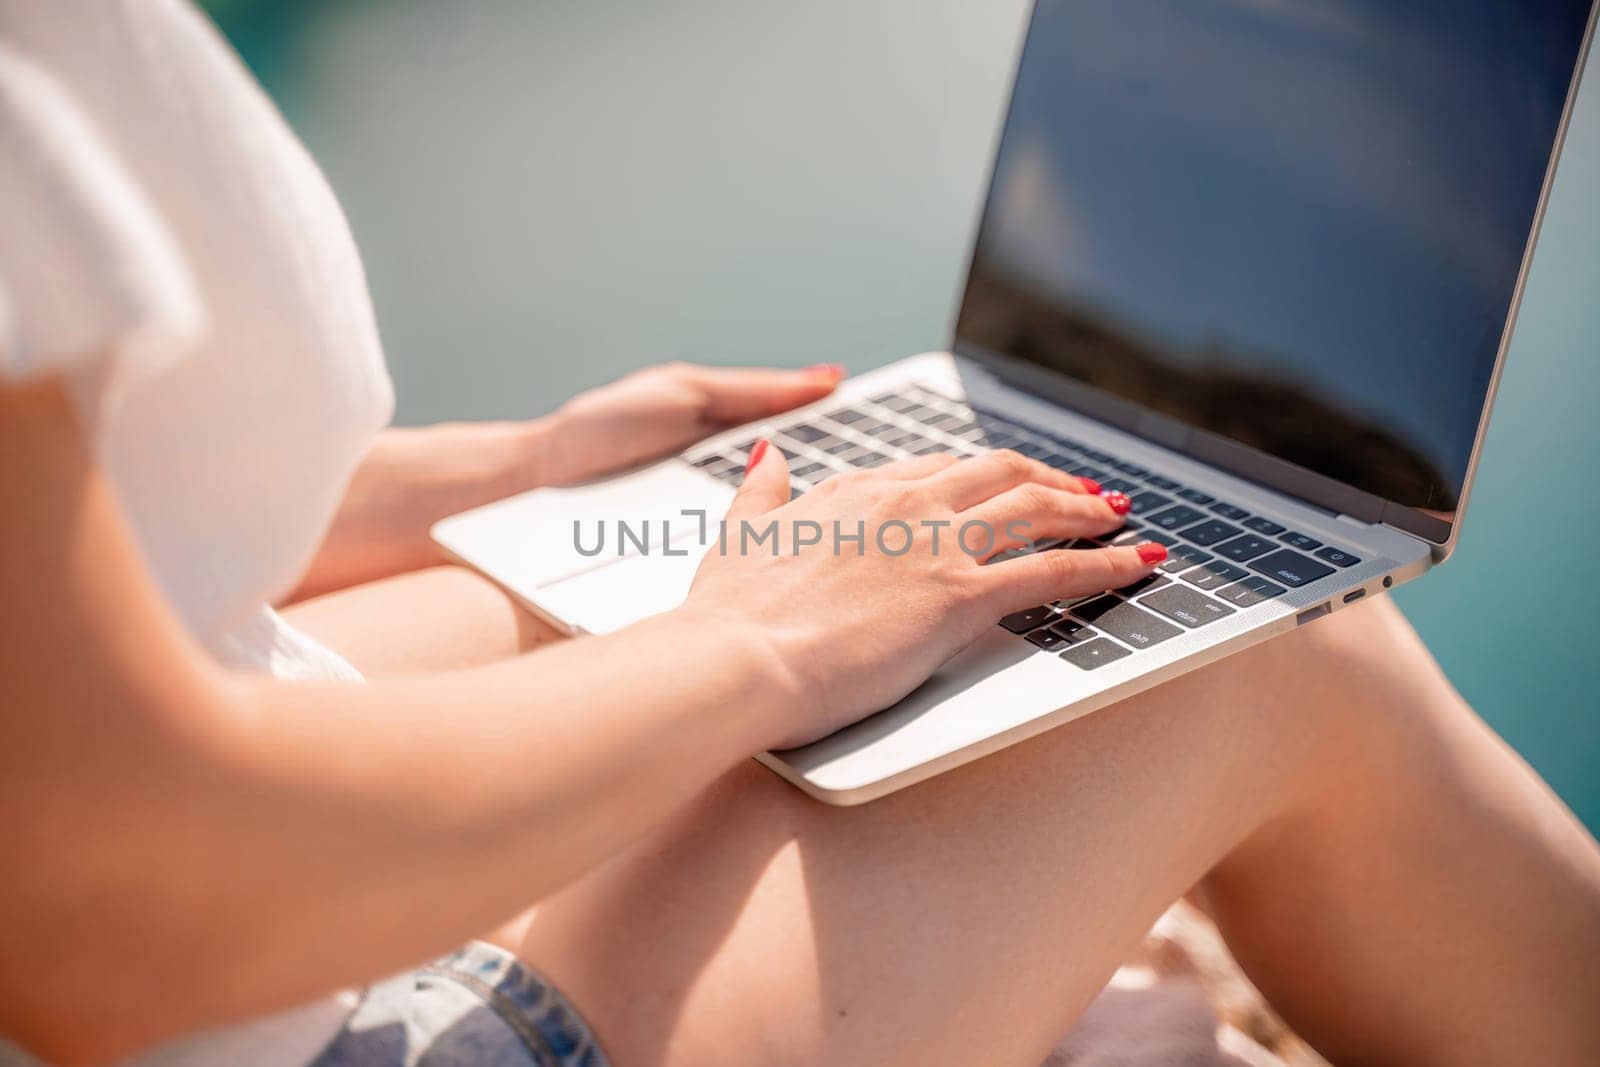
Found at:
<point>1118,502</point>
<point>756,453</point>
<point>1151,553</point>
<point>832,371</point>
<point>1090,486</point>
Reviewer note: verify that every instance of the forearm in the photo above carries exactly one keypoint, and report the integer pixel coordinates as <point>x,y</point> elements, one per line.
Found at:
<point>318,836</point>
<point>409,480</point>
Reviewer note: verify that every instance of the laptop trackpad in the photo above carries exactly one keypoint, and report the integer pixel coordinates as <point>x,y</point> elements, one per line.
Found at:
<point>605,600</point>
<point>533,540</point>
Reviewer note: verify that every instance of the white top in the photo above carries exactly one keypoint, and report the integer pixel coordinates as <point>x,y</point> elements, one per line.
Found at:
<point>168,244</point>
<point>169,247</point>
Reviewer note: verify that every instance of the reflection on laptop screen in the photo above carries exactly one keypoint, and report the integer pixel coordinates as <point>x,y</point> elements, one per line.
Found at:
<point>1295,223</point>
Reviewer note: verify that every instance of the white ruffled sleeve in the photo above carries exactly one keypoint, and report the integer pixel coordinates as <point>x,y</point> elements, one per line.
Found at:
<point>88,270</point>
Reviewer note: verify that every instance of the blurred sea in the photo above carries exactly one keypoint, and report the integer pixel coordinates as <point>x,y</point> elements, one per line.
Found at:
<point>548,194</point>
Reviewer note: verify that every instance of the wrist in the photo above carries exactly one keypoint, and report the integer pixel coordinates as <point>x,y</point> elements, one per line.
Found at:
<point>523,457</point>
<point>765,693</point>
<point>465,464</point>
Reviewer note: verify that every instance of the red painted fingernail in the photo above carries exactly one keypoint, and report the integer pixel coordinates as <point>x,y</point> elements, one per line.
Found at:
<point>1090,486</point>
<point>756,453</point>
<point>1118,502</point>
<point>1151,553</point>
<point>826,370</point>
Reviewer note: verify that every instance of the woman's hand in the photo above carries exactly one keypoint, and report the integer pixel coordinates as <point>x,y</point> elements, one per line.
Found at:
<point>412,478</point>
<point>853,632</point>
<point>662,410</point>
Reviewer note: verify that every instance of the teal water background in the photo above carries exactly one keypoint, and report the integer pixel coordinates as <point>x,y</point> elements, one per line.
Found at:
<point>549,194</point>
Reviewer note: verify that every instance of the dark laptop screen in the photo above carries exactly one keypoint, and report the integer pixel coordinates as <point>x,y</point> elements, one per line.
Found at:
<point>1297,224</point>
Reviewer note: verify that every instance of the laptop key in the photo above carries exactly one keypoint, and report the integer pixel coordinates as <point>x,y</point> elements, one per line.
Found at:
<point>1338,557</point>
<point>1244,548</point>
<point>1195,496</point>
<point>1119,485</point>
<point>809,469</point>
<point>1250,592</point>
<point>1164,483</point>
<point>1023,621</point>
<point>1175,518</point>
<point>1096,653</point>
<point>834,447</point>
<point>1300,541</point>
<point>1214,575</point>
<point>1148,501</point>
<point>1182,557</point>
<point>1128,624</point>
<point>1091,610</point>
<point>1291,568</point>
<point>1209,533</point>
<point>1186,606</point>
<point>805,433</point>
<point>1264,526</point>
<point>1143,585</point>
<point>1228,511</point>
<point>848,416</point>
<point>1087,471</point>
<point>1073,631</point>
<point>1048,640</point>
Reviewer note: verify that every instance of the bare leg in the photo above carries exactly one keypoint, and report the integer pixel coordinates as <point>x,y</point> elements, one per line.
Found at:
<point>427,620</point>
<point>1400,885</point>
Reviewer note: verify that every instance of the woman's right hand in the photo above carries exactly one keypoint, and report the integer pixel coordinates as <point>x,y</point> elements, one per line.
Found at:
<point>855,630</point>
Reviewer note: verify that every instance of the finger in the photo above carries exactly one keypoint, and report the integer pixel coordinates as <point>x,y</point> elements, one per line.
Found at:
<point>740,394</point>
<point>765,485</point>
<point>975,480</point>
<point>1028,581</point>
<point>1033,512</point>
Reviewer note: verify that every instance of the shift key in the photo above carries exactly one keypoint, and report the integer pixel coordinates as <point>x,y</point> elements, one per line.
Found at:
<point>1134,627</point>
<point>1291,568</point>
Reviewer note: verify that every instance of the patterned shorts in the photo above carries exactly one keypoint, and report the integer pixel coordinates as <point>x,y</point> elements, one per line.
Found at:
<point>477,1006</point>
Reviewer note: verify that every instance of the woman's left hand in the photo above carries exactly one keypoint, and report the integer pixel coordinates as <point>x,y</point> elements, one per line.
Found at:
<point>412,478</point>
<point>661,410</point>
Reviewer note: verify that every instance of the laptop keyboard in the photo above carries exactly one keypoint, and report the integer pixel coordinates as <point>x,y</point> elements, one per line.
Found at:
<point>1221,558</point>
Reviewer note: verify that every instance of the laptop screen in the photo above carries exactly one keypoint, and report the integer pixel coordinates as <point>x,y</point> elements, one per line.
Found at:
<point>1297,224</point>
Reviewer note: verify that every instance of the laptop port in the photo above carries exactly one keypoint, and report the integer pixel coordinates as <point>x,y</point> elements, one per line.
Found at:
<point>1313,614</point>
<point>1354,595</point>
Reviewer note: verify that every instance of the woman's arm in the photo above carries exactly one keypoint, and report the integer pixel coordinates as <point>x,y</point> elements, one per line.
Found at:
<point>225,844</point>
<point>412,478</point>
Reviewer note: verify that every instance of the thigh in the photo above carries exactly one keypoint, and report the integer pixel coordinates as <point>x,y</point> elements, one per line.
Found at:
<point>965,920</point>
<point>428,620</point>
<point>1376,857</point>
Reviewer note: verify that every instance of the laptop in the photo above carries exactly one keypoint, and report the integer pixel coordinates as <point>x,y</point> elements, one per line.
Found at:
<point>1255,265</point>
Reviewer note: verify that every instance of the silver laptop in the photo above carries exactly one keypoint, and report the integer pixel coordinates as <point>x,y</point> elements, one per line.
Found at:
<point>1254,265</point>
